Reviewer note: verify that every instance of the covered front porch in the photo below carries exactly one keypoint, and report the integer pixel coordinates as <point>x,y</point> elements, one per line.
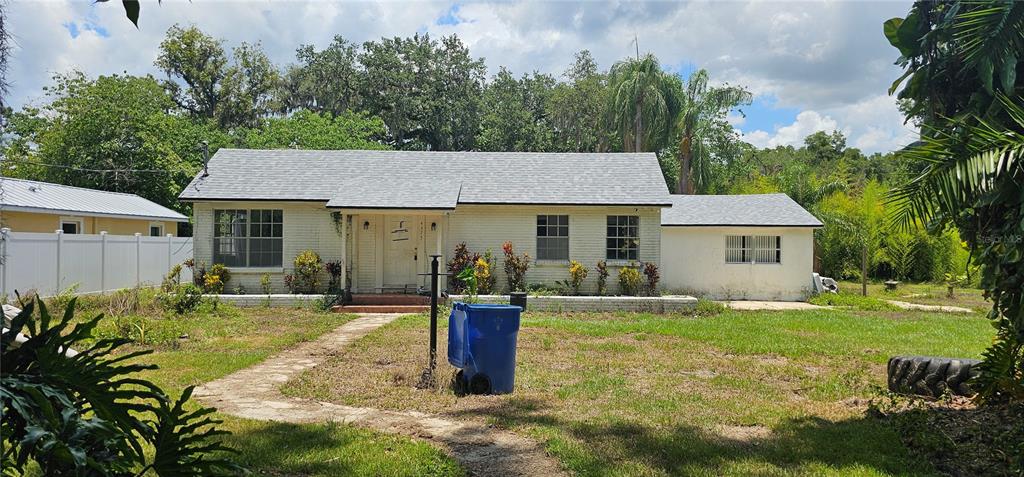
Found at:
<point>387,251</point>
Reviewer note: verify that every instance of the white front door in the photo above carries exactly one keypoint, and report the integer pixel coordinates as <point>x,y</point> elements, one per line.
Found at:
<point>401,240</point>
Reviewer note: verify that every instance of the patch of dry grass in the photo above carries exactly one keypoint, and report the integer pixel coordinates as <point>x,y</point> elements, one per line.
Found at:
<point>741,393</point>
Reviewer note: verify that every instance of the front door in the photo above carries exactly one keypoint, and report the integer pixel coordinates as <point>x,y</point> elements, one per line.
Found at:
<point>400,249</point>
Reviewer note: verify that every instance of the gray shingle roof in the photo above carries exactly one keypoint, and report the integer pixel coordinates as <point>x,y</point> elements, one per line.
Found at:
<point>401,179</point>
<point>755,210</point>
<point>35,196</point>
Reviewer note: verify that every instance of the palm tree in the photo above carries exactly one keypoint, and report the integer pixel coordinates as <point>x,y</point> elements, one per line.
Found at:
<point>641,103</point>
<point>703,108</point>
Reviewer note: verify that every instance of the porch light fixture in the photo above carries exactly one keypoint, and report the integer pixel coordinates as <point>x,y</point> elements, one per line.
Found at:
<point>366,225</point>
<point>433,226</point>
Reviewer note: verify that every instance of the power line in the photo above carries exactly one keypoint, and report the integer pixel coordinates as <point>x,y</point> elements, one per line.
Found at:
<point>86,169</point>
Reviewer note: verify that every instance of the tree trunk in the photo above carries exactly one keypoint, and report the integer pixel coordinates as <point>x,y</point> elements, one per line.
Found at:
<point>638,127</point>
<point>864,270</point>
<point>685,162</point>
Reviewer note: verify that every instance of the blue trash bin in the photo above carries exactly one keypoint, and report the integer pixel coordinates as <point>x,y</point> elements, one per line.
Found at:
<point>482,342</point>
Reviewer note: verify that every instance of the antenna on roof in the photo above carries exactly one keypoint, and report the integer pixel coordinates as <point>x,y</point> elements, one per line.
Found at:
<point>206,158</point>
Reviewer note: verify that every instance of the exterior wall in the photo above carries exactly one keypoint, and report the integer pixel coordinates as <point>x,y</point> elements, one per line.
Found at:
<point>569,304</point>
<point>693,262</point>
<point>46,223</point>
<point>310,226</point>
<point>485,227</point>
<point>306,226</point>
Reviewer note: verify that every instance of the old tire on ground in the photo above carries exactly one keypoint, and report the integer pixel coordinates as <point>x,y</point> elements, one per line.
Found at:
<point>931,376</point>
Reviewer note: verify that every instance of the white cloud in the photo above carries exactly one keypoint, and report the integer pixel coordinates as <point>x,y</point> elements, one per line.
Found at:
<point>807,122</point>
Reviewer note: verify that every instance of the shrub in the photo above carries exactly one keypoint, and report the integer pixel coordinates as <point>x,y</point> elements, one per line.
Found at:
<point>183,299</point>
<point>461,259</point>
<point>289,282</point>
<point>307,271</point>
<point>515,267</point>
<point>334,271</point>
<point>213,284</point>
<point>221,271</point>
<point>172,279</point>
<point>482,274</point>
<point>577,273</point>
<point>653,275</point>
<point>91,414</point>
<point>602,277</point>
<point>629,281</point>
<point>707,307</point>
<point>265,284</point>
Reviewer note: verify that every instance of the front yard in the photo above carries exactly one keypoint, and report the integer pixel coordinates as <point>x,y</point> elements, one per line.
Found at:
<point>778,393</point>
<point>205,345</point>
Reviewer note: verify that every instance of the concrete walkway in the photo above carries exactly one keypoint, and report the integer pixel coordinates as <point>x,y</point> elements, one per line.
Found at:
<point>754,305</point>
<point>940,308</point>
<point>254,393</point>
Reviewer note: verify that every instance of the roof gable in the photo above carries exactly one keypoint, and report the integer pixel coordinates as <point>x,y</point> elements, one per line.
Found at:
<point>413,179</point>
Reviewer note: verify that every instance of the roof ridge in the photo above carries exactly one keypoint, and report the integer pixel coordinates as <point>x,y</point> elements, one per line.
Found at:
<point>18,179</point>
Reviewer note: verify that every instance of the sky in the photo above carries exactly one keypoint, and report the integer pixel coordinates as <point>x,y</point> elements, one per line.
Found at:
<point>810,65</point>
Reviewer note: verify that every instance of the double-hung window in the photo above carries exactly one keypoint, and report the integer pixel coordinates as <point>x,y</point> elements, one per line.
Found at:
<point>552,237</point>
<point>248,238</point>
<point>623,237</point>
<point>753,249</point>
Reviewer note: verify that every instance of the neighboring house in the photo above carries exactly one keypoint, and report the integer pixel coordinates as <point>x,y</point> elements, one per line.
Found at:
<point>752,247</point>
<point>383,213</point>
<point>33,206</point>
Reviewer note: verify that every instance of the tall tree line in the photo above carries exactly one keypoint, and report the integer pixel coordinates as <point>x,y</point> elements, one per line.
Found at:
<point>414,93</point>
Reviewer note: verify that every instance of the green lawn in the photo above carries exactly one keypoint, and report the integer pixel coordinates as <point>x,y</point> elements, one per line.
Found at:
<point>227,339</point>
<point>741,393</point>
<point>924,293</point>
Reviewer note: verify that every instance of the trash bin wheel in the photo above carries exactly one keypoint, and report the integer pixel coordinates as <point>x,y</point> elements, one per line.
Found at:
<point>480,384</point>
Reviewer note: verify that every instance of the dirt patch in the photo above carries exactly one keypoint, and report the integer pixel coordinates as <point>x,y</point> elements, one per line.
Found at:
<point>743,434</point>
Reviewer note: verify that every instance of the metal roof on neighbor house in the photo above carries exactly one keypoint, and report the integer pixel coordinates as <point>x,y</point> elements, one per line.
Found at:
<point>44,197</point>
<point>431,180</point>
<point>754,210</point>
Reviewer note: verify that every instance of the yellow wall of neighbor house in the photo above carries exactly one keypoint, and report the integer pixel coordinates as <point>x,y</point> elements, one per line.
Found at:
<point>19,221</point>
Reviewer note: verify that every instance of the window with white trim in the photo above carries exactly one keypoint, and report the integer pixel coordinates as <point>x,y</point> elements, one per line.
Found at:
<point>156,229</point>
<point>248,238</point>
<point>753,249</point>
<point>71,225</point>
<point>623,237</point>
<point>552,237</point>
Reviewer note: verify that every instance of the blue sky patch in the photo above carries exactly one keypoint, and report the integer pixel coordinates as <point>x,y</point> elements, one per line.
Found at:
<point>451,17</point>
<point>72,28</point>
<point>75,30</point>
<point>763,114</point>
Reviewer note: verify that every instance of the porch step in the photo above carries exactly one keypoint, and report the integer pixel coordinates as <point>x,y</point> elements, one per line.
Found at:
<point>389,299</point>
<point>381,309</point>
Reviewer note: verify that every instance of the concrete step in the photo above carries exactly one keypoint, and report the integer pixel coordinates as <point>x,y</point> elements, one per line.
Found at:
<point>381,309</point>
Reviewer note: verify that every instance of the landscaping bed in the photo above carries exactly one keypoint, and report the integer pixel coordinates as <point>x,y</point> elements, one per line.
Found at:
<point>738,393</point>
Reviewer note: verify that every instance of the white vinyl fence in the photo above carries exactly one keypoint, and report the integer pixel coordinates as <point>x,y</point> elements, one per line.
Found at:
<point>51,262</point>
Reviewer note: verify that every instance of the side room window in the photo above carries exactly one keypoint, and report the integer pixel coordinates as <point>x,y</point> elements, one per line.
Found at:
<point>623,237</point>
<point>70,225</point>
<point>156,229</point>
<point>753,249</point>
<point>552,237</point>
<point>248,238</point>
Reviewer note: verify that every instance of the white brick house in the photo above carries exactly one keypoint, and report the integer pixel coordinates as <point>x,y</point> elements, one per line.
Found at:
<point>382,213</point>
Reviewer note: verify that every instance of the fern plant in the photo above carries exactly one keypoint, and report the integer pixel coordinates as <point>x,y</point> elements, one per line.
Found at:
<point>87,413</point>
